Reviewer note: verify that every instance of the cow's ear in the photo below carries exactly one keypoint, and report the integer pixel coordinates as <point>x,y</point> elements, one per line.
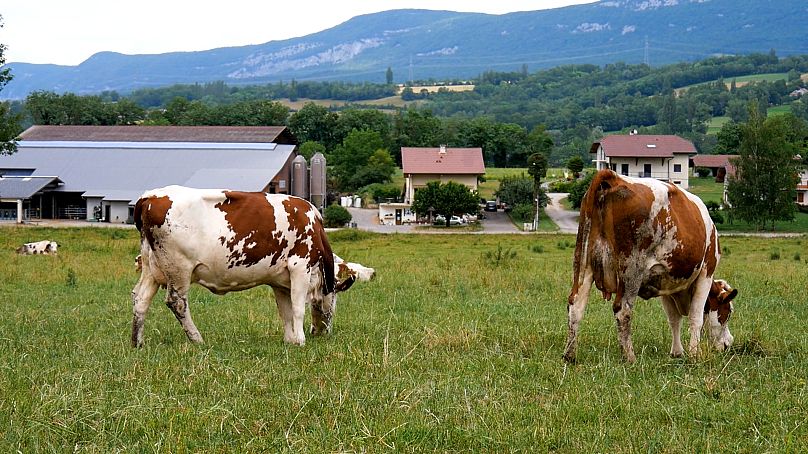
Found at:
<point>731,295</point>
<point>346,284</point>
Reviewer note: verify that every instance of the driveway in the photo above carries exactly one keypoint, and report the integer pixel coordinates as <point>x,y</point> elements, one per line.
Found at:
<point>566,220</point>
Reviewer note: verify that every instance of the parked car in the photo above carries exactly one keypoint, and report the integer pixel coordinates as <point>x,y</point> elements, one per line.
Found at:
<point>490,205</point>
<point>454,220</point>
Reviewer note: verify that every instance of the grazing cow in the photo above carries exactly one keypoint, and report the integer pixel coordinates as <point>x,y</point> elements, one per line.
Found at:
<point>228,241</point>
<point>45,247</point>
<point>646,238</point>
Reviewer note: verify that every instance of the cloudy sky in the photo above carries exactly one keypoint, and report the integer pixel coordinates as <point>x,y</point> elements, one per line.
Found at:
<point>67,32</point>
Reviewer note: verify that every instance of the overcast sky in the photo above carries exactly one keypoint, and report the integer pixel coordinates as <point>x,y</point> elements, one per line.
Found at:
<point>67,32</point>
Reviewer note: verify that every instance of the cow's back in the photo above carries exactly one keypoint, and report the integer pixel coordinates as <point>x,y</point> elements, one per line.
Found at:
<point>233,240</point>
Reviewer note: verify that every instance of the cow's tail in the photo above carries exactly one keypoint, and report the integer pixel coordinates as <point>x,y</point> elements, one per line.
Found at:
<point>138,214</point>
<point>326,261</point>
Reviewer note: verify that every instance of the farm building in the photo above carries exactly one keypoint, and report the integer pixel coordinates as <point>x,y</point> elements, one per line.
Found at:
<point>664,157</point>
<point>97,173</point>
<point>718,164</point>
<point>424,164</point>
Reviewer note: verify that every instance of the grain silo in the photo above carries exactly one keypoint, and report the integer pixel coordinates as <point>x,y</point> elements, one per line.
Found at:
<point>317,181</point>
<point>300,177</point>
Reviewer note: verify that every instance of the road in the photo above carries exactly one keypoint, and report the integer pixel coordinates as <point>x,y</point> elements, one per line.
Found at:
<point>494,222</point>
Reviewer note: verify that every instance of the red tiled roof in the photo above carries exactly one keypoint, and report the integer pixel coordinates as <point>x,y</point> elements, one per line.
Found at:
<point>712,160</point>
<point>432,161</point>
<point>643,146</point>
<point>215,134</point>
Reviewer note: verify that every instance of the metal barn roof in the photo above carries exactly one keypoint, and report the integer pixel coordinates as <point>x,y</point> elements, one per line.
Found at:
<point>121,173</point>
<point>23,187</point>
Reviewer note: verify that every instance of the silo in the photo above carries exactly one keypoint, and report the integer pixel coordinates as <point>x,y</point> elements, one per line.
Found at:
<point>300,177</point>
<point>317,181</point>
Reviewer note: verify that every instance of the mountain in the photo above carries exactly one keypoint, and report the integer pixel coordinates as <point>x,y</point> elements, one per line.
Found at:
<point>423,44</point>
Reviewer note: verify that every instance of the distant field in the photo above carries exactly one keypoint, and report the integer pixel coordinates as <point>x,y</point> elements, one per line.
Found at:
<point>716,123</point>
<point>492,177</point>
<point>740,81</point>
<point>454,347</point>
<point>436,88</point>
<point>394,101</point>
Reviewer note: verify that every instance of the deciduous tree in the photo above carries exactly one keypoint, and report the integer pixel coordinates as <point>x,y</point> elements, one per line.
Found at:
<point>763,188</point>
<point>447,199</point>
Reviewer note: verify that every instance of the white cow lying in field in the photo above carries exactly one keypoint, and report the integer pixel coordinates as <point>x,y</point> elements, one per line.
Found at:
<point>45,247</point>
<point>228,241</point>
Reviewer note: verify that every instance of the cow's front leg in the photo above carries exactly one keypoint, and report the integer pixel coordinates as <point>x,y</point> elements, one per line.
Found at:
<point>177,301</point>
<point>675,322</point>
<point>623,307</point>
<point>696,313</point>
<point>283,299</point>
<point>576,302</point>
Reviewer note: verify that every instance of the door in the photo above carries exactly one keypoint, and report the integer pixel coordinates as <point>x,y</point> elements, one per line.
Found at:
<point>107,212</point>
<point>647,170</point>
<point>398,216</point>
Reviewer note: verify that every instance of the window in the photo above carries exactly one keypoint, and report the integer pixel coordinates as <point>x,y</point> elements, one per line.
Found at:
<point>624,169</point>
<point>677,168</point>
<point>614,167</point>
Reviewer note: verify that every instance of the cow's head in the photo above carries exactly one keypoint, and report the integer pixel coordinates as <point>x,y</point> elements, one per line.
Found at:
<point>51,247</point>
<point>346,273</point>
<point>717,312</point>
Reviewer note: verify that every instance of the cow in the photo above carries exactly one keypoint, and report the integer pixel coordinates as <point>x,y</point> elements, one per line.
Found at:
<point>45,247</point>
<point>647,238</point>
<point>229,241</point>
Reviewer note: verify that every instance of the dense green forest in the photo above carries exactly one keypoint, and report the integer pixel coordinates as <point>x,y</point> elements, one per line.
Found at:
<point>509,114</point>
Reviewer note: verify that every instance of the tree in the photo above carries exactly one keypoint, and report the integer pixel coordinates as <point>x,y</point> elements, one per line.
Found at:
<point>537,168</point>
<point>310,148</point>
<point>448,199</point>
<point>336,216</point>
<point>9,122</point>
<point>361,159</point>
<point>763,188</point>
<point>314,122</point>
<point>389,75</point>
<point>576,165</point>
<point>728,139</point>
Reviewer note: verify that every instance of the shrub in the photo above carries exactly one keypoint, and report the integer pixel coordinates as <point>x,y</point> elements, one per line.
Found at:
<point>381,192</point>
<point>499,256</point>
<point>336,216</point>
<point>537,248</point>
<point>774,255</point>
<point>522,212</point>
<point>703,172</point>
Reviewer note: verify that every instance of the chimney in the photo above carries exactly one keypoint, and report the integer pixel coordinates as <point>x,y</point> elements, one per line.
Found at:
<point>443,149</point>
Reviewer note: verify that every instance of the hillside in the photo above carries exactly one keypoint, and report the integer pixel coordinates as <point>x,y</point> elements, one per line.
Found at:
<point>443,44</point>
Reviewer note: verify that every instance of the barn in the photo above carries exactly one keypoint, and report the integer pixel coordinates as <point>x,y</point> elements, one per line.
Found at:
<point>97,173</point>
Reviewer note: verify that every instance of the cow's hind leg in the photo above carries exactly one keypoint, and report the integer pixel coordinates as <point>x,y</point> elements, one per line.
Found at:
<point>675,322</point>
<point>623,307</point>
<point>575,312</point>
<point>142,296</point>
<point>177,301</point>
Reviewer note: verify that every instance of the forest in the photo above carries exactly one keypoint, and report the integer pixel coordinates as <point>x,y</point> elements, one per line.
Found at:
<point>509,114</point>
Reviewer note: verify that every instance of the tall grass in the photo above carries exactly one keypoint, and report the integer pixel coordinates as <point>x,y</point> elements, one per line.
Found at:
<point>446,350</point>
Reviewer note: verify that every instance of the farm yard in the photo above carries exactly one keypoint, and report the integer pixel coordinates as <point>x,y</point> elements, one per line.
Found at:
<point>455,346</point>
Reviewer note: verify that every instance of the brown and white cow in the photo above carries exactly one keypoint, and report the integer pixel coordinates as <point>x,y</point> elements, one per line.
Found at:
<point>642,237</point>
<point>45,247</point>
<point>228,241</point>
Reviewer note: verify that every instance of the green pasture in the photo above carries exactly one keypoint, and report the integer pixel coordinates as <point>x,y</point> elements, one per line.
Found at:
<point>454,347</point>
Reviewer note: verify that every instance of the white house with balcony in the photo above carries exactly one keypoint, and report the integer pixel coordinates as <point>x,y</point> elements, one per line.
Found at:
<point>421,165</point>
<point>664,157</point>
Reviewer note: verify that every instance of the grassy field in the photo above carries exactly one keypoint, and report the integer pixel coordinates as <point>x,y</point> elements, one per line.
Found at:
<point>454,347</point>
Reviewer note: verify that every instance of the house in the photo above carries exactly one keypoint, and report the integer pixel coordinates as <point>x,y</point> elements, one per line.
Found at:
<point>798,92</point>
<point>802,189</point>
<point>717,163</point>
<point>422,165</point>
<point>98,172</point>
<point>664,157</point>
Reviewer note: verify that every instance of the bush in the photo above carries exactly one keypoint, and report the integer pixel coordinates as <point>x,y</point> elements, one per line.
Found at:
<point>381,192</point>
<point>522,212</point>
<point>703,172</point>
<point>336,216</point>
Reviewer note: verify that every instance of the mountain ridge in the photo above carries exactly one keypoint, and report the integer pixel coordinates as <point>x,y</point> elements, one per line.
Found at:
<point>427,44</point>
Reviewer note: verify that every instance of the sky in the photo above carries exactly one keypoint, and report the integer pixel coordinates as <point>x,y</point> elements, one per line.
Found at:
<point>67,32</point>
